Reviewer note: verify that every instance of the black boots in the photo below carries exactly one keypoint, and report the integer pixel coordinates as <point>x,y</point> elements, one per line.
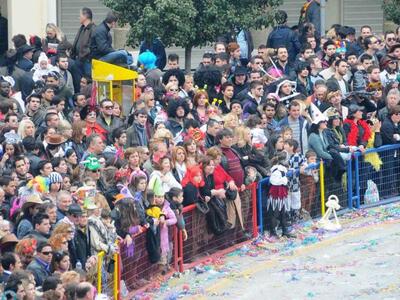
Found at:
<point>288,234</point>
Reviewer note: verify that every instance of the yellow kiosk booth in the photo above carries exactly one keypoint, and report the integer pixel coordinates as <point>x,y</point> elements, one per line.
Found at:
<point>114,82</point>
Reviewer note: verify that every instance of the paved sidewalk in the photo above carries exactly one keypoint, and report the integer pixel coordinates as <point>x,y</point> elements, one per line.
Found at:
<point>359,262</point>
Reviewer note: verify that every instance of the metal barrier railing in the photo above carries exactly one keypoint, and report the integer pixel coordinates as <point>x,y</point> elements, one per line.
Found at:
<point>257,192</point>
<point>260,188</point>
<point>322,186</point>
<point>136,268</point>
<point>201,243</point>
<point>117,274</point>
<point>100,259</point>
<point>116,278</point>
<point>262,193</point>
<point>387,179</point>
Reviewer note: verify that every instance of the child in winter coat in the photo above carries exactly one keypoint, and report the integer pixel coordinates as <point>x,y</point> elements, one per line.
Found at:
<point>308,181</point>
<point>42,68</point>
<point>170,219</point>
<point>161,215</point>
<point>296,163</point>
<point>175,199</point>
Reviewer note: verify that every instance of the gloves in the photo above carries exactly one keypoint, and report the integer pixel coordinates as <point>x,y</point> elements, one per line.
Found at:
<point>134,229</point>
<point>130,250</point>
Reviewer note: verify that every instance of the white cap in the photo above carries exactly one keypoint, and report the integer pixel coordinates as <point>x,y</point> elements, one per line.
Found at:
<point>319,119</point>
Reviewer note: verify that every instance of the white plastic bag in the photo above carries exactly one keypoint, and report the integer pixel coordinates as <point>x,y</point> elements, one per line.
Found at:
<point>372,193</point>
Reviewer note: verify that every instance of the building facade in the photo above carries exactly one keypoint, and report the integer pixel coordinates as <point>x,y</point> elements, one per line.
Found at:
<point>31,16</point>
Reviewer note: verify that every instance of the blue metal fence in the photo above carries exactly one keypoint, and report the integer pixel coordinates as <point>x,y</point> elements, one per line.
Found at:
<point>261,192</point>
<point>358,172</point>
<point>386,176</point>
<point>262,184</point>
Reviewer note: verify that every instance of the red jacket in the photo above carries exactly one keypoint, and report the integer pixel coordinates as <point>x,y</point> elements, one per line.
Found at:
<point>220,177</point>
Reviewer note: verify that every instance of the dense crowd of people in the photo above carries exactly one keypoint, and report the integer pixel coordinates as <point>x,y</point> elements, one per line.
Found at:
<point>78,177</point>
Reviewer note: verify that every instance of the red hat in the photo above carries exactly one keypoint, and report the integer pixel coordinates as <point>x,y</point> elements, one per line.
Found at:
<point>190,174</point>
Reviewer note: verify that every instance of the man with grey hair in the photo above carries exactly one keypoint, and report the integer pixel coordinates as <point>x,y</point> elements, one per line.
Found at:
<point>64,200</point>
<point>95,146</point>
<point>392,100</point>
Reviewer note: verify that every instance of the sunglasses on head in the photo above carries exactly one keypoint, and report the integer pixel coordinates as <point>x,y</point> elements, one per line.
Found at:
<point>58,254</point>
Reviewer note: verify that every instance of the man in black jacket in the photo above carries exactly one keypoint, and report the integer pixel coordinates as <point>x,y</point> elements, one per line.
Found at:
<point>390,132</point>
<point>81,45</point>
<point>41,225</point>
<point>177,112</point>
<point>337,81</point>
<point>390,127</point>
<point>253,99</point>
<point>101,43</point>
<point>213,126</point>
<point>283,63</point>
<point>81,251</point>
<point>239,80</point>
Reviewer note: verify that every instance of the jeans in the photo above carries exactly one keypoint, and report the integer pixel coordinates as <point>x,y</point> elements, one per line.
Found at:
<point>118,56</point>
<point>85,67</point>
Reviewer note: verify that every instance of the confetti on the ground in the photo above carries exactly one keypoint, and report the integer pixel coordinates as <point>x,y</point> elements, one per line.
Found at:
<point>195,281</point>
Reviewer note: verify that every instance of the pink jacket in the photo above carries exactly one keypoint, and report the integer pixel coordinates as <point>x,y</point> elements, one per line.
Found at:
<point>170,220</point>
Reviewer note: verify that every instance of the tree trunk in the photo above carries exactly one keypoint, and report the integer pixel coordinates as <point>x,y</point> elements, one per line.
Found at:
<point>188,58</point>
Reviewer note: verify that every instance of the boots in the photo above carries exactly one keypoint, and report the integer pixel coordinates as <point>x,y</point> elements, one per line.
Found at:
<point>288,234</point>
<point>273,233</point>
<point>295,214</point>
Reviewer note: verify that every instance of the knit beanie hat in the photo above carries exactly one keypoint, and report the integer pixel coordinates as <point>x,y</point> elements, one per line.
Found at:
<point>55,177</point>
<point>43,57</point>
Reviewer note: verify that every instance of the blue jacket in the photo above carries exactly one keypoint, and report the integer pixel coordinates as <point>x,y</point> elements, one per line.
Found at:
<point>313,15</point>
<point>25,64</point>
<point>40,270</point>
<point>158,48</point>
<point>24,228</point>
<point>174,126</point>
<point>250,106</point>
<point>283,36</point>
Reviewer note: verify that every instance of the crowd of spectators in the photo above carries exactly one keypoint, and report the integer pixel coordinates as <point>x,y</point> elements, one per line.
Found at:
<point>79,177</point>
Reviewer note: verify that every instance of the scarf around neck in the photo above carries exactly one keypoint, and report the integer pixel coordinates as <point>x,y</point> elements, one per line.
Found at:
<point>352,138</point>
